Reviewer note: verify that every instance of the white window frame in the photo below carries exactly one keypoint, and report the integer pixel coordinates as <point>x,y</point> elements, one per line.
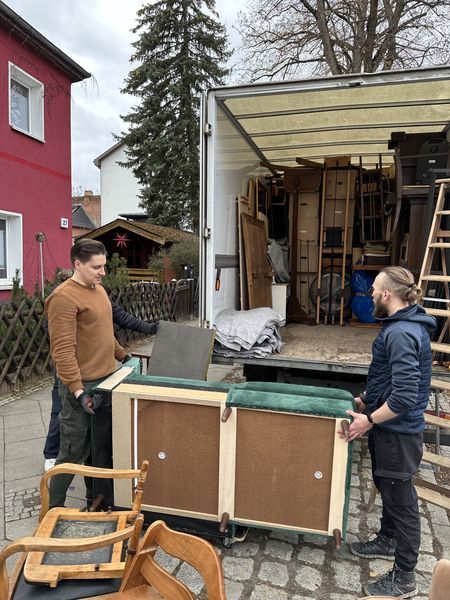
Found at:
<point>14,248</point>
<point>35,100</point>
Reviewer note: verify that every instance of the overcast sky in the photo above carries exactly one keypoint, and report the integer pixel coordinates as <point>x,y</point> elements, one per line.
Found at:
<point>97,35</point>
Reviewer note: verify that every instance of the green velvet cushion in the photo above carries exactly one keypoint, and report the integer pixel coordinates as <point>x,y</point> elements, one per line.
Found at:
<point>326,406</point>
<point>296,390</point>
<point>154,380</point>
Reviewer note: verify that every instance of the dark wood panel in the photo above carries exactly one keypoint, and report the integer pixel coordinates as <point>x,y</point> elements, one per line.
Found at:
<point>259,273</point>
<point>181,443</point>
<point>284,468</point>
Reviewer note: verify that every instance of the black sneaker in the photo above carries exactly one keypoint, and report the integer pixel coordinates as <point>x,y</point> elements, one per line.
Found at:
<point>395,583</point>
<point>380,547</point>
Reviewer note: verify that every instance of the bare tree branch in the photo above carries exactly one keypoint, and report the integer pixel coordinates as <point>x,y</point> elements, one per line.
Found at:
<point>289,38</point>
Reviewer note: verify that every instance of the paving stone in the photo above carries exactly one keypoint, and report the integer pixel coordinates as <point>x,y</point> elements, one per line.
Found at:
<point>22,484</point>
<point>285,536</point>
<point>20,528</point>
<point>27,432</point>
<point>190,577</point>
<point>278,549</point>
<point>341,597</point>
<point>315,540</point>
<point>15,450</point>
<point>170,563</point>
<point>233,589</point>
<point>424,525</point>
<point>379,566</point>
<point>239,569</point>
<point>347,579</point>
<point>355,482</point>
<point>426,563</point>
<point>353,525</point>
<point>264,592</point>
<point>355,494</point>
<point>444,539</point>
<point>426,543</point>
<point>297,597</point>
<point>23,467</point>
<point>26,418</point>
<point>274,573</point>
<point>313,556</point>
<point>373,520</point>
<point>19,407</point>
<point>308,578</point>
<point>245,549</point>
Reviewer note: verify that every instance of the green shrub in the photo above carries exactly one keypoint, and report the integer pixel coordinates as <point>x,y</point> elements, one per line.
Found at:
<point>116,272</point>
<point>179,254</point>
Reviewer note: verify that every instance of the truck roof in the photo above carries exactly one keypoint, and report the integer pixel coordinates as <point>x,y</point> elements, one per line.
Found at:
<point>351,115</point>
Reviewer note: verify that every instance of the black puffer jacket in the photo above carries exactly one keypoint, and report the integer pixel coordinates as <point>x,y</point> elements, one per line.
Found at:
<point>400,371</point>
<point>124,319</point>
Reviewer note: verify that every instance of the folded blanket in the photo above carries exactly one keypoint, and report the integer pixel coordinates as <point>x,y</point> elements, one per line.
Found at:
<point>247,333</point>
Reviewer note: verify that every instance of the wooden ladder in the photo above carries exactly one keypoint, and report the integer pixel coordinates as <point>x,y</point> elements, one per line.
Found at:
<point>437,239</point>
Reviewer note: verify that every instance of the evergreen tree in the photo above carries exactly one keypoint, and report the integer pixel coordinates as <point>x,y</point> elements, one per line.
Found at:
<point>179,53</point>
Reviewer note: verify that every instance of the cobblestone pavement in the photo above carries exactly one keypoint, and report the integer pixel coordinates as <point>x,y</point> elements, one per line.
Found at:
<point>268,565</point>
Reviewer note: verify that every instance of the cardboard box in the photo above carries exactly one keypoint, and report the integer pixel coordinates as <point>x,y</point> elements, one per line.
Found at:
<point>308,205</point>
<point>337,161</point>
<point>308,230</point>
<point>307,256</point>
<point>335,213</point>
<point>336,184</point>
<point>334,238</point>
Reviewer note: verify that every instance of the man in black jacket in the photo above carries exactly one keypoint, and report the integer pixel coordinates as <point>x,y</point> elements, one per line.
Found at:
<point>396,397</point>
<point>122,319</point>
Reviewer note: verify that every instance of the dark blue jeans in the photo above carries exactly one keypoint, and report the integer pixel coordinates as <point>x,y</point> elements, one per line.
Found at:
<point>51,447</point>
<point>395,459</point>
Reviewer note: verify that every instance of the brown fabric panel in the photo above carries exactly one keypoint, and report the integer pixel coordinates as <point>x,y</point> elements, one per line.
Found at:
<point>188,434</point>
<point>277,456</point>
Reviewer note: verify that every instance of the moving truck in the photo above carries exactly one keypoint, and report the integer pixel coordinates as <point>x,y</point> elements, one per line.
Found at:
<point>247,129</point>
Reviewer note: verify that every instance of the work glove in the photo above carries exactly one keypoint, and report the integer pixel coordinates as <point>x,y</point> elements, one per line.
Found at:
<point>90,403</point>
<point>126,358</point>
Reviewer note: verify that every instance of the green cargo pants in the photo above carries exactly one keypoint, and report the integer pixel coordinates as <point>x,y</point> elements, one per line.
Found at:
<point>75,444</point>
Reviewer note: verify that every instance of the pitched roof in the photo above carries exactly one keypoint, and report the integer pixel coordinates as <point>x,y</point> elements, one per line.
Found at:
<point>80,218</point>
<point>40,44</point>
<point>158,233</point>
<point>106,153</point>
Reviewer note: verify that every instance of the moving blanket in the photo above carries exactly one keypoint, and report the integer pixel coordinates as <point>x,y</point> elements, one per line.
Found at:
<point>249,333</point>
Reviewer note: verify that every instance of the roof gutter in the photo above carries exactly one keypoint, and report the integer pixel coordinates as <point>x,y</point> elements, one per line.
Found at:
<point>22,29</point>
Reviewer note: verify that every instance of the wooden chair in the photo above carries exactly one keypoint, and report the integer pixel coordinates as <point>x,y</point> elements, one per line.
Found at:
<point>440,583</point>
<point>60,522</point>
<point>147,580</point>
<point>8,585</point>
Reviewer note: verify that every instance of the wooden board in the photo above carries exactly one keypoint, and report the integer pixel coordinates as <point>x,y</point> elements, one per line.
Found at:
<point>284,469</point>
<point>259,273</point>
<point>181,442</point>
<point>243,206</point>
<point>181,351</point>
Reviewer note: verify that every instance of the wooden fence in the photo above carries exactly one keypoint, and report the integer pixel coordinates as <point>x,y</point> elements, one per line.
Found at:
<point>24,343</point>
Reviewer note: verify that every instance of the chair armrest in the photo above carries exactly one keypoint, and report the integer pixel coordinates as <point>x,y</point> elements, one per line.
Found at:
<point>37,544</point>
<point>97,472</point>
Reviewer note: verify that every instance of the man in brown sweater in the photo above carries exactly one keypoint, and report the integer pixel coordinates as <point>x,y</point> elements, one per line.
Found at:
<point>84,351</point>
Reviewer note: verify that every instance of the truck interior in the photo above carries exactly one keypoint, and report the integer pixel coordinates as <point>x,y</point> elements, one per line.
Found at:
<point>338,175</point>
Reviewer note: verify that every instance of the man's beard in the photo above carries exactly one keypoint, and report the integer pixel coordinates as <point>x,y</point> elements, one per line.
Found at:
<point>379,311</point>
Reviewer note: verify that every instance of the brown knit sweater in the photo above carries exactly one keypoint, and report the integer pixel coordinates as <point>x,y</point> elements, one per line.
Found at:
<point>81,331</point>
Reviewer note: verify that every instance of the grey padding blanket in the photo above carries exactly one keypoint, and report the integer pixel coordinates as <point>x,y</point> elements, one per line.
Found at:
<point>247,333</point>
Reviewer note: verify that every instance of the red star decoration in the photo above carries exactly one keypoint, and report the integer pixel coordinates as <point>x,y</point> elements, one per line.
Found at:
<point>121,240</point>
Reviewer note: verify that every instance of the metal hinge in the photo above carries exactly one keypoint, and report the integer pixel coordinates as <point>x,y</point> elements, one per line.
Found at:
<point>207,129</point>
<point>207,232</point>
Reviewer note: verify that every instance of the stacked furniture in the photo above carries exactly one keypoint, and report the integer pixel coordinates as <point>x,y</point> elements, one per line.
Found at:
<point>254,454</point>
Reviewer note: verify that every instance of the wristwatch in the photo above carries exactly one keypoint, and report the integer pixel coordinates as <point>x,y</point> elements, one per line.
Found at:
<point>371,421</point>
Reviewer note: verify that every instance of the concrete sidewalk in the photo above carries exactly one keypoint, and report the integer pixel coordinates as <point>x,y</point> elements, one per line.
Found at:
<point>267,565</point>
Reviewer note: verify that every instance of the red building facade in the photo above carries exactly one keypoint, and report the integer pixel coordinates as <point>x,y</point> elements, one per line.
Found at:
<point>35,153</point>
